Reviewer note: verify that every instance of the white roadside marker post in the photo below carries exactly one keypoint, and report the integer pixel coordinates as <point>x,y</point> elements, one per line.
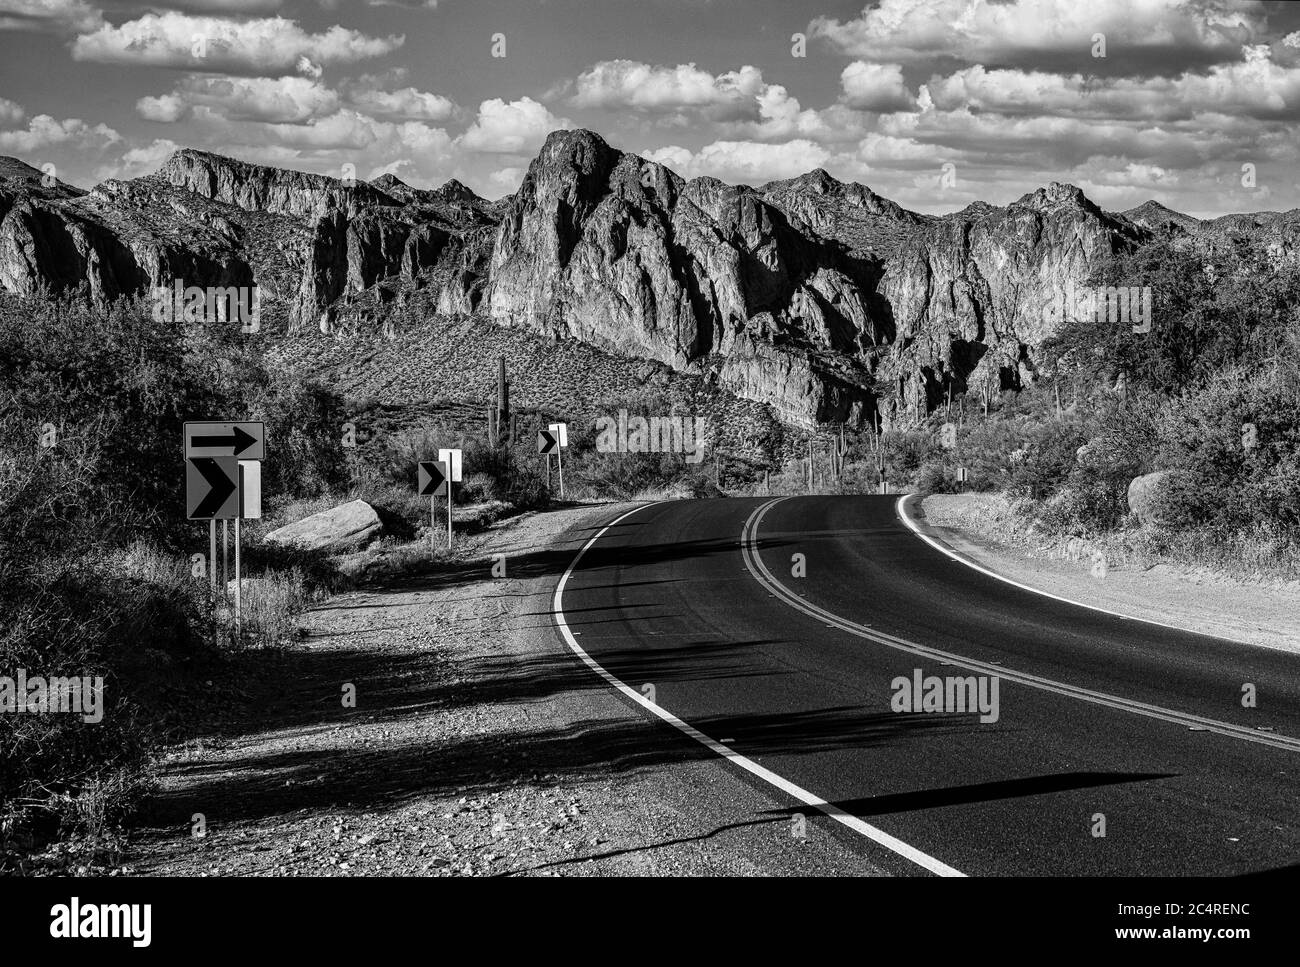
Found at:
<point>560,431</point>
<point>451,461</point>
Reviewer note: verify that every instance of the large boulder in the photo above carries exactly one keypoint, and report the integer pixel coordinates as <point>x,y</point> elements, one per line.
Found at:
<point>1158,499</point>
<point>346,527</point>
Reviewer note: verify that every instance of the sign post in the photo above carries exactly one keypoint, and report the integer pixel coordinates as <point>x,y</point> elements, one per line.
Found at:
<point>435,480</point>
<point>552,440</point>
<point>224,482</point>
<point>451,458</point>
<point>561,433</point>
<point>239,614</point>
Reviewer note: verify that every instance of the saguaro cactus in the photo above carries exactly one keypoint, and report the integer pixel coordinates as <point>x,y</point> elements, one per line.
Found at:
<point>501,422</point>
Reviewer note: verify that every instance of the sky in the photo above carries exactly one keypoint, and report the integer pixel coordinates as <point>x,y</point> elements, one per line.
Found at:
<point>932,103</point>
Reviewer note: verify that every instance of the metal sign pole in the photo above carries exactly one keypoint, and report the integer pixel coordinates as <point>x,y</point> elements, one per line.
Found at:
<point>225,556</point>
<point>212,555</point>
<point>559,462</point>
<point>433,516</point>
<point>449,513</point>
<point>239,614</point>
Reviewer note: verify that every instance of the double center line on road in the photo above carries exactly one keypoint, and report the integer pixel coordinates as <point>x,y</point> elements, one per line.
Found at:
<point>749,549</point>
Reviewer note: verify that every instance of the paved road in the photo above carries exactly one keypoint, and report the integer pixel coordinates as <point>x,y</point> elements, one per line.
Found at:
<point>1097,715</point>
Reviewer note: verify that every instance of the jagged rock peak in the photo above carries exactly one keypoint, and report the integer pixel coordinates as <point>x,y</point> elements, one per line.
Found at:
<point>818,186</point>
<point>454,190</point>
<point>574,148</point>
<point>1152,214</point>
<point>1153,207</point>
<point>1057,195</point>
<point>818,181</point>
<point>976,209</point>
<point>389,181</point>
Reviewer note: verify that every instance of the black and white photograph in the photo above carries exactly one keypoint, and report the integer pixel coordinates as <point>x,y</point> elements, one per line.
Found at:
<point>729,446</point>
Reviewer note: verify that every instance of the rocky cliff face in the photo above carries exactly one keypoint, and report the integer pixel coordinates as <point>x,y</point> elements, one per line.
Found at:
<point>258,188</point>
<point>971,294</point>
<point>622,252</point>
<point>821,298</point>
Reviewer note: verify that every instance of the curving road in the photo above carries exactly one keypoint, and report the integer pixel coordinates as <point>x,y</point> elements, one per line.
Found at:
<point>694,610</point>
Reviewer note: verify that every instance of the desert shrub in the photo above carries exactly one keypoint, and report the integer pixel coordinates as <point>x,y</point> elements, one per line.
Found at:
<point>504,473</point>
<point>315,570</point>
<point>1186,501</point>
<point>122,616</point>
<point>305,455</point>
<point>623,476</point>
<point>269,603</point>
<point>1240,435</point>
<point>1081,507</point>
<point>905,452</point>
<point>934,478</point>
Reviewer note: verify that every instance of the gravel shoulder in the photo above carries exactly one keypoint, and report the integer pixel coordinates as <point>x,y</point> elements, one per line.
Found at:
<point>977,526</point>
<point>478,745</point>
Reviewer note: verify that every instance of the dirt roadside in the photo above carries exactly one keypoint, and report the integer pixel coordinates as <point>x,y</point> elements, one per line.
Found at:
<point>976,525</point>
<point>478,745</point>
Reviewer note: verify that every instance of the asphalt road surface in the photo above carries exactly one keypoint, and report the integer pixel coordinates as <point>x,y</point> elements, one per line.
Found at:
<point>695,610</point>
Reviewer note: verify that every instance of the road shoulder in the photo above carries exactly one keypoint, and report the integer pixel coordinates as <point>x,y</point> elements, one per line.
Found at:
<point>976,526</point>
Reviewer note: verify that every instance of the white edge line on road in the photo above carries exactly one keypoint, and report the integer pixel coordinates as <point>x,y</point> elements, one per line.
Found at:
<point>878,836</point>
<point>900,509</point>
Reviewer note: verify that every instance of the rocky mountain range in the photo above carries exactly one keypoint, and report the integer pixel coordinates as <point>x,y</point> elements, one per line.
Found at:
<point>820,298</point>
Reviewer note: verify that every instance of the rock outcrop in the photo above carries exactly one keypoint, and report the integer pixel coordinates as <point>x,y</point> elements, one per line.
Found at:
<point>972,295</point>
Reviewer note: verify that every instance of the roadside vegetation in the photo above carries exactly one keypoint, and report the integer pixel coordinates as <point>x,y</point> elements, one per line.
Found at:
<point>1208,400</point>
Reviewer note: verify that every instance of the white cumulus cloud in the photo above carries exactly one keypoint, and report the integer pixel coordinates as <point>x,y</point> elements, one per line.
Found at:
<point>44,131</point>
<point>744,162</point>
<point>406,102</point>
<point>981,30</point>
<point>515,127</point>
<point>875,87</point>
<point>49,15</point>
<point>264,46</point>
<point>243,98</point>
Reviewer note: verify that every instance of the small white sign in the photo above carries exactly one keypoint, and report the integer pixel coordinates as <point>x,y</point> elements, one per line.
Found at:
<point>561,431</point>
<point>250,489</point>
<point>451,457</point>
